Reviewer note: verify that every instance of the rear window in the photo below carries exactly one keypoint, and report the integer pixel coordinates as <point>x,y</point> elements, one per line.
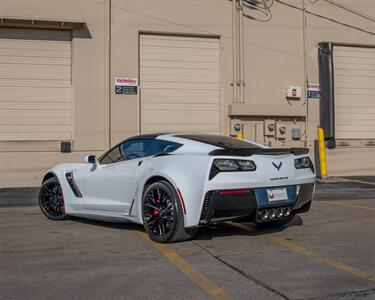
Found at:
<point>162,146</point>
<point>220,141</point>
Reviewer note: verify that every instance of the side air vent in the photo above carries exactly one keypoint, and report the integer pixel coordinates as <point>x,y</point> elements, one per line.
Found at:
<point>72,184</point>
<point>207,208</point>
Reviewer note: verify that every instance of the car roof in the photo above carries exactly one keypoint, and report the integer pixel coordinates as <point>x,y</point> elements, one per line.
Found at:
<point>215,140</point>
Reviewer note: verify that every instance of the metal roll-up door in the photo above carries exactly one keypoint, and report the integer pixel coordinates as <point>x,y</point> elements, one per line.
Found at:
<point>35,85</point>
<point>180,84</point>
<point>354,84</point>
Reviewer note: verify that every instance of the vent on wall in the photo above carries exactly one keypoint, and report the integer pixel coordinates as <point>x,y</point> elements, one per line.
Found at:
<point>66,147</point>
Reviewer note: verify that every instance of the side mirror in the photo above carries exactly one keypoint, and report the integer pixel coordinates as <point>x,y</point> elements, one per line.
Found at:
<point>91,159</point>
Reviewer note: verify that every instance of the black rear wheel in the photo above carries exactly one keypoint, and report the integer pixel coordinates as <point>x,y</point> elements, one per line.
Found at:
<point>51,199</point>
<point>162,214</point>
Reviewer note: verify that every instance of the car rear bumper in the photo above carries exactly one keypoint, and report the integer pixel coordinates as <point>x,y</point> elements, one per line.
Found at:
<point>220,205</point>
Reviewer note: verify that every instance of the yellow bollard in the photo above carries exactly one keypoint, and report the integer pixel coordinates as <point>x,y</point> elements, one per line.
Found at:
<point>239,135</point>
<point>322,153</point>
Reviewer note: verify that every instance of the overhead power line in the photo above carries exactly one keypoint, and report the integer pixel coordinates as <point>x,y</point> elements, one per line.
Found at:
<point>325,18</point>
<point>262,6</point>
<point>347,8</point>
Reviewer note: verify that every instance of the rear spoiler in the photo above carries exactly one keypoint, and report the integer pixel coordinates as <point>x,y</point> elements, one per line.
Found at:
<point>259,151</point>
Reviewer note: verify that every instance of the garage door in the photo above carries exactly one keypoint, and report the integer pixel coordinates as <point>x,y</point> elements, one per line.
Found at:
<point>180,84</point>
<point>35,85</point>
<point>354,81</point>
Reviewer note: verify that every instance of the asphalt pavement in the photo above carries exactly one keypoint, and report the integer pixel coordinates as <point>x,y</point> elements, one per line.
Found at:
<point>328,253</point>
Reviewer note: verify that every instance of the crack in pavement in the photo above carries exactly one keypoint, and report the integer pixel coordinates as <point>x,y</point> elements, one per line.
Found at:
<point>351,295</point>
<point>242,273</point>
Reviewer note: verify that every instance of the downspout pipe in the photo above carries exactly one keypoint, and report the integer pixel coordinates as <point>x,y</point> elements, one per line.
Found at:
<point>241,54</point>
<point>234,51</point>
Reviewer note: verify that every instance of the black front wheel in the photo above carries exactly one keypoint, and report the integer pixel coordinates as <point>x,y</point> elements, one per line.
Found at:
<point>51,200</point>
<point>162,214</point>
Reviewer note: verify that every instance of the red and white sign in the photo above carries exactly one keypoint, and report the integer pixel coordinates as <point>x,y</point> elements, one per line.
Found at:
<point>126,81</point>
<point>313,90</point>
<point>126,85</point>
<point>313,86</point>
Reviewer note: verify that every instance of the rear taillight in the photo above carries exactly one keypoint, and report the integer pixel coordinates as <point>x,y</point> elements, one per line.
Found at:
<point>231,165</point>
<point>304,163</point>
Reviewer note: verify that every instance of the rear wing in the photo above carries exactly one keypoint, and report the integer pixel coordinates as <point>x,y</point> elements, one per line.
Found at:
<point>259,151</point>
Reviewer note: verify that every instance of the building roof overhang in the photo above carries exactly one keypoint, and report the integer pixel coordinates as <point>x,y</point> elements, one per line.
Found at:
<point>36,22</point>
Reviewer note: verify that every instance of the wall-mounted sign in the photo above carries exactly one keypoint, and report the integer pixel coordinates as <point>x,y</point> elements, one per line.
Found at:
<point>126,85</point>
<point>313,90</point>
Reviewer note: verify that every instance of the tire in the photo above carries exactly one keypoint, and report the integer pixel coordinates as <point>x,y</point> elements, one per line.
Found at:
<point>277,223</point>
<point>162,214</point>
<point>51,200</point>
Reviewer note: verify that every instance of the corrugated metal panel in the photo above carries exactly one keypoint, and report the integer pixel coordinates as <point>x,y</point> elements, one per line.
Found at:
<point>35,85</point>
<point>354,79</point>
<point>180,84</point>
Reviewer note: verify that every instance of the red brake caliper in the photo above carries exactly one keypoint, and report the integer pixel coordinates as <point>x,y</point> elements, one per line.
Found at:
<point>156,212</point>
<point>62,207</point>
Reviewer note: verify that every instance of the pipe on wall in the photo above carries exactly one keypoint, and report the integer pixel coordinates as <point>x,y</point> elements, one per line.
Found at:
<point>238,52</point>
<point>241,53</point>
<point>234,50</point>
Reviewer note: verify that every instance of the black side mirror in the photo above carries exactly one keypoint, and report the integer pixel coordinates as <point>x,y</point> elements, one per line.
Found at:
<point>91,159</point>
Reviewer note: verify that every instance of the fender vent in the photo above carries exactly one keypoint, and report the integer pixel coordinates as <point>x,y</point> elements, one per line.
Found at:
<point>207,208</point>
<point>72,184</point>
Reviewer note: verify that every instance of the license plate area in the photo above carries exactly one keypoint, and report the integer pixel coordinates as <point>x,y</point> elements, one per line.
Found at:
<point>277,194</point>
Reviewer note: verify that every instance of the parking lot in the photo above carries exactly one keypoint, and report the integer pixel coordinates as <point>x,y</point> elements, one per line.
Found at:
<point>328,253</point>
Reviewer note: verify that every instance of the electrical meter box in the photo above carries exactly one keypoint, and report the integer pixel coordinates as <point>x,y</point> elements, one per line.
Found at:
<point>235,126</point>
<point>293,92</point>
<point>269,127</point>
<point>296,134</point>
<point>280,130</point>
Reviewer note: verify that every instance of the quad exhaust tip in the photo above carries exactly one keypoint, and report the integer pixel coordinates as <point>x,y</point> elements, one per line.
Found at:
<point>274,213</point>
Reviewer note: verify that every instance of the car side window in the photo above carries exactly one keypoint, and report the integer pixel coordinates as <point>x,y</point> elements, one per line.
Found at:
<point>162,146</point>
<point>136,148</point>
<point>112,156</point>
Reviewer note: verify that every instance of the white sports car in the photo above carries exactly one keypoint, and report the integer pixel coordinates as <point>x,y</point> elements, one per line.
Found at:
<point>174,183</point>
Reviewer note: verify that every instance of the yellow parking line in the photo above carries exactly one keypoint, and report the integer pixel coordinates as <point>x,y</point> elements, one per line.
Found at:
<point>347,268</point>
<point>346,205</point>
<point>198,278</point>
<point>289,245</point>
<point>296,248</point>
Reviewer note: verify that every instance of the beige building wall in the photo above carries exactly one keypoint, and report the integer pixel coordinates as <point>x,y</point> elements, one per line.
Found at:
<point>22,163</point>
<point>277,53</point>
<point>356,158</point>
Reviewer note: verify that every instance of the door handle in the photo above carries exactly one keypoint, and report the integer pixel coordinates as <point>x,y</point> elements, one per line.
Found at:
<point>140,162</point>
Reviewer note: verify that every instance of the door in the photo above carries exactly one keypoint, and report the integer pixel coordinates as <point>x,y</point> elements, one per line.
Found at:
<point>36,99</point>
<point>354,80</point>
<point>110,188</point>
<point>180,84</point>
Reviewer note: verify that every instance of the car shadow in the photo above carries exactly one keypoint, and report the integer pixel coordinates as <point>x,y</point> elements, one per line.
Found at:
<point>126,225</point>
<point>247,229</point>
<point>209,232</point>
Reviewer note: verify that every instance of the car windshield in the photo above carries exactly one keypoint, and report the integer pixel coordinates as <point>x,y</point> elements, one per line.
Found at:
<point>221,141</point>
